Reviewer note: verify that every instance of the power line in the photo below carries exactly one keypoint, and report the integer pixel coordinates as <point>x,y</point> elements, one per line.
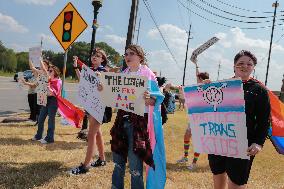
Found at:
<point>224,17</point>
<point>233,6</point>
<point>157,26</point>
<point>212,6</point>
<point>225,25</point>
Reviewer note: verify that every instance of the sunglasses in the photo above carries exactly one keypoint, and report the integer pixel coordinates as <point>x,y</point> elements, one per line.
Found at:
<point>50,71</point>
<point>129,54</point>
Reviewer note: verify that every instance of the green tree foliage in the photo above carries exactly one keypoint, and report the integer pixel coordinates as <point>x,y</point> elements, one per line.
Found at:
<point>9,61</point>
<point>22,61</point>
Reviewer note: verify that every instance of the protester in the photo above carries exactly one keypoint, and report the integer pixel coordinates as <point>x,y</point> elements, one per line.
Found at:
<point>200,77</point>
<point>32,98</point>
<point>50,109</point>
<point>181,98</point>
<point>234,171</point>
<point>169,99</point>
<point>130,136</point>
<point>99,61</point>
<point>161,82</point>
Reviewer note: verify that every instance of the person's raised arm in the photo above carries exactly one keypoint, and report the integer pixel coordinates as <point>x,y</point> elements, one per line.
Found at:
<point>45,71</point>
<point>75,66</point>
<point>34,70</point>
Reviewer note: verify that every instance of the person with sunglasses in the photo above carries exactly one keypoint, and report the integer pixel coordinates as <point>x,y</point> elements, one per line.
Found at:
<point>130,136</point>
<point>54,89</point>
<point>94,137</point>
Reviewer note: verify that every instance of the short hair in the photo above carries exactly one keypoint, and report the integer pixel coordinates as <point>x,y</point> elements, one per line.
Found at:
<point>139,51</point>
<point>245,53</point>
<point>103,53</point>
<point>203,75</point>
<point>161,81</point>
<point>56,70</point>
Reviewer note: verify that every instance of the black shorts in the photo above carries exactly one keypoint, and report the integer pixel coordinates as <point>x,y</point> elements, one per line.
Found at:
<point>238,170</point>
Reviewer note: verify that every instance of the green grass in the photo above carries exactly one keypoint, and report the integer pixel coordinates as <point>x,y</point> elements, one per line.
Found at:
<point>27,164</point>
<point>7,74</point>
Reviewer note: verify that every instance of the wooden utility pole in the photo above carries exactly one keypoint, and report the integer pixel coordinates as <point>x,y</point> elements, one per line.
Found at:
<point>188,38</point>
<point>131,25</point>
<point>275,5</point>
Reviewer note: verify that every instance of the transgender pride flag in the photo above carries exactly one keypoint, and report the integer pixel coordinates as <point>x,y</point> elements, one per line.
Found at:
<point>217,118</point>
<point>226,96</point>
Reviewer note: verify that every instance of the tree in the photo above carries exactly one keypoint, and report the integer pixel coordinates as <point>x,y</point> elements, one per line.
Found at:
<point>22,61</point>
<point>9,61</point>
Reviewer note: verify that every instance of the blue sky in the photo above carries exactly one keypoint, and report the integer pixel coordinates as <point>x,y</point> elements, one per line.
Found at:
<point>24,22</point>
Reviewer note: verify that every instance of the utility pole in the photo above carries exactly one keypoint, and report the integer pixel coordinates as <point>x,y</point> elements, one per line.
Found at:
<point>188,37</point>
<point>219,67</point>
<point>275,5</point>
<point>138,31</point>
<point>131,26</point>
<point>97,4</point>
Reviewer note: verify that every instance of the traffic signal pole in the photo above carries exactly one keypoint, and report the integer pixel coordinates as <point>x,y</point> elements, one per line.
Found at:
<point>97,4</point>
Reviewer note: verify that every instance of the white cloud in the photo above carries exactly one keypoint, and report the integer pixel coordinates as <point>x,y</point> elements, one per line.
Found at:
<point>175,37</point>
<point>48,39</point>
<point>18,48</point>
<point>223,51</point>
<point>9,24</point>
<point>117,42</point>
<point>37,2</point>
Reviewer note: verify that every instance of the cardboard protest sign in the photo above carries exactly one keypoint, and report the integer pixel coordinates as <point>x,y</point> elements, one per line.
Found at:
<point>35,56</point>
<point>202,48</point>
<point>217,118</point>
<point>124,91</point>
<point>88,94</point>
<point>41,89</point>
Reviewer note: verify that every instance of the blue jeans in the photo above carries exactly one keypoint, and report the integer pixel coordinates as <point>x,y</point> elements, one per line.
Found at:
<point>50,109</point>
<point>135,164</point>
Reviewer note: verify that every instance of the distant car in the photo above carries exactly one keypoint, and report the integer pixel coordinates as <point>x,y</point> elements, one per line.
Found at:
<point>28,74</point>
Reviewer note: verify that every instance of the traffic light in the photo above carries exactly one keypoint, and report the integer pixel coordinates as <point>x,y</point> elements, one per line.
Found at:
<point>67,26</point>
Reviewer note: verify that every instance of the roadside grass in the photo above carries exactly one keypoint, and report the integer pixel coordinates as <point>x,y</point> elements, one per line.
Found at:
<point>28,164</point>
<point>6,74</point>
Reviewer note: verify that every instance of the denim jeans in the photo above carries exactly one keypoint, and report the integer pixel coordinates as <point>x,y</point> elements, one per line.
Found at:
<point>135,164</point>
<point>50,109</point>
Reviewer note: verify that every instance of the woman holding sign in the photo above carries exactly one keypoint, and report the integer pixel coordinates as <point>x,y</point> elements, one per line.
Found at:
<point>132,134</point>
<point>257,109</point>
<point>99,61</point>
<point>50,109</point>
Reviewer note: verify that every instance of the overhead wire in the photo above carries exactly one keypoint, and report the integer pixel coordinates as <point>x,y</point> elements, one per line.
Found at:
<point>225,25</point>
<point>224,17</point>
<point>161,34</point>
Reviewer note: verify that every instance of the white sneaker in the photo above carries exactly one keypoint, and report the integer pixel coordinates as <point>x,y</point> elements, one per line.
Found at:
<point>192,166</point>
<point>43,141</point>
<point>182,160</point>
<point>35,139</point>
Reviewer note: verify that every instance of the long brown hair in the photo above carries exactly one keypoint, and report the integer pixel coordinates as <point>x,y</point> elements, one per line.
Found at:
<point>56,70</point>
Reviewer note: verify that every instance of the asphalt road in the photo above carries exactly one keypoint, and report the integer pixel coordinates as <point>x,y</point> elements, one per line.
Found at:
<point>13,99</point>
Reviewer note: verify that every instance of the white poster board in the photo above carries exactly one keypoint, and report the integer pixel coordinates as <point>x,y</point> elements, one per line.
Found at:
<point>35,56</point>
<point>202,48</point>
<point>41,89</point>
<point>217,118</point>
<point>88,94</point>
<point>124,91</point>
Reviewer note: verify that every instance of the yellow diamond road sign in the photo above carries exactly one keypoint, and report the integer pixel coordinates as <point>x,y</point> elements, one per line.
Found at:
<point>67,26</point>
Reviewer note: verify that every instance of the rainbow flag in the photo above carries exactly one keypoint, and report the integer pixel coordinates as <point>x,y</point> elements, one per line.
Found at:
<point>277,115</point>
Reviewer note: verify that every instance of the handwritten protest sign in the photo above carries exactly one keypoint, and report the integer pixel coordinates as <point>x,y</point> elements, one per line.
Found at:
<point>41,89</point>
<point>89,96</point>
<point>35,56</point>
<point>217,118</point>
<point>124,92</point>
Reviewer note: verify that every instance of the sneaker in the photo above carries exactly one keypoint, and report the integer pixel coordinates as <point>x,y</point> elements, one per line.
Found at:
<point>192,166</point>
<point>35,139</point>
<point>182,160</point>
<point>79,170</point>
<point>98,163</point>
<point>83,135</point>
<point>43,141</point>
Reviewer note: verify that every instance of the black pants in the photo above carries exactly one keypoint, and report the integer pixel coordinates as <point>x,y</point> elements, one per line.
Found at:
<point>34,107</point>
